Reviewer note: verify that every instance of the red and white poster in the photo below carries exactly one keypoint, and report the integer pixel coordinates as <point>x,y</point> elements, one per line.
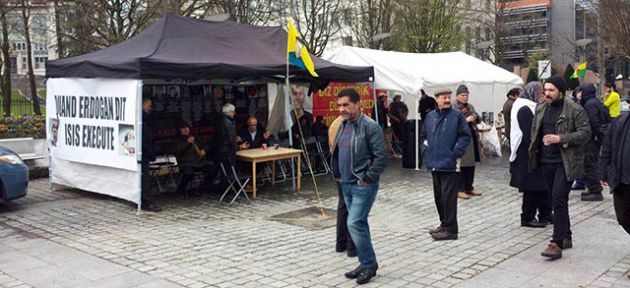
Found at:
<point>325,101</point>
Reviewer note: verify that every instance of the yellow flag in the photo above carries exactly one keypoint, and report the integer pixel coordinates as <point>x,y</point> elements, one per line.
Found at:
<point>308,62</point>
<point>291,37</point>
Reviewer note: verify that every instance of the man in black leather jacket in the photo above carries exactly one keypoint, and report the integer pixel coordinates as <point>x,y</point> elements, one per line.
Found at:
<point>359,157</point>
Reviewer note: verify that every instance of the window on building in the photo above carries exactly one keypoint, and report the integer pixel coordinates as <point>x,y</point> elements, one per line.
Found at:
<point>347,40</point>
<point>23,63</point>
<point>13,61</point>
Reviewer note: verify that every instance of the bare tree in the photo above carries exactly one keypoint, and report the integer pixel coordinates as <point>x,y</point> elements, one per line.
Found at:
<point>186,8</point>
<point>103,23</point>
<point>373,18</point>
<point>495,31</point>
<point>61,49</point>
<point>26,16</point>
<point>255,12</point>
<point>317,21</point>
<point>428,26</point>
<point>615,17</point>
<point>5,77</point>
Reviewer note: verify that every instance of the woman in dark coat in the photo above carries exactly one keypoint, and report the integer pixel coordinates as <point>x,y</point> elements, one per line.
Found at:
<point>535,196</point>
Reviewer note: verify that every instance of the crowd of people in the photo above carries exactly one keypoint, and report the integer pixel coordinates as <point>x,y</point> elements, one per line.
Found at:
<point>552,136</point>
<point>559,138</point>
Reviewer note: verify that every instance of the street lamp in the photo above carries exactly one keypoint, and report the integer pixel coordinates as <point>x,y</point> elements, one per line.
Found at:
<point>582,43</point>
<point>483,47</point>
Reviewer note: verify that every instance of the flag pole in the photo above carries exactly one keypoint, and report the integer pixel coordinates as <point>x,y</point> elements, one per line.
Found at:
<point>288,109</point>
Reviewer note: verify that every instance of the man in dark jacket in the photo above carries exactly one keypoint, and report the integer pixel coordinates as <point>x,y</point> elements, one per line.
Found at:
<point>225,145</point>
<point>398,113</point>
<point>615,165</point>
<point>381,111</point>
<point>560,130</point>
<point>254,134</point>
<point>427,104</point>
<point>148,155</point>
<point>512,95</point>
<point>189,153</point>
<point>597,116</point>
<point>445,137</point>
<point>358,157</point>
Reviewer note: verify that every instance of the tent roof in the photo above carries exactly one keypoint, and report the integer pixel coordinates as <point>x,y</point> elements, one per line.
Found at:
<point>410,72</point>
<point>176,47</point>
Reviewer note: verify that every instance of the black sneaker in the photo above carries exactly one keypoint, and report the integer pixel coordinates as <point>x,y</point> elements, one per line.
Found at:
<point>366,275</point>
<point>533,224</point>
<point>546,219</point>
<point>593,197</point>
<point>354,273</point>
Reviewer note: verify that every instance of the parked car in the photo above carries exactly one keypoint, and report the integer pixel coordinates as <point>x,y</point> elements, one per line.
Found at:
<point>13,175</point>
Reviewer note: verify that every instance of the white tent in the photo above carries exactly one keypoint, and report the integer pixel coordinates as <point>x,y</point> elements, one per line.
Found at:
<point>410,72</point>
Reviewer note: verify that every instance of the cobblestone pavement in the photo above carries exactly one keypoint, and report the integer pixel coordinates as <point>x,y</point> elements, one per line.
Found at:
<point>197,242</point>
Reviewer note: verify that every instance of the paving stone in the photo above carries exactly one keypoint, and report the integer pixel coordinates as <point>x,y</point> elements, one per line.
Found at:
<point>198,242</point>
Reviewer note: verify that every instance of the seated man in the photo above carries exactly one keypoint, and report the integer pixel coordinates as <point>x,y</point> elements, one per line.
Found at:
<point>254,135</point>
<point>190,156</point>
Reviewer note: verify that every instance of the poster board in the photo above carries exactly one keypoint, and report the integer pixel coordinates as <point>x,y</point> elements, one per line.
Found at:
<point>92,121</point>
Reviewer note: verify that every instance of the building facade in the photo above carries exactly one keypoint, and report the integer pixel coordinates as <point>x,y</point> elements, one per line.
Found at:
<point>565,31</point>
<point>41,28</point>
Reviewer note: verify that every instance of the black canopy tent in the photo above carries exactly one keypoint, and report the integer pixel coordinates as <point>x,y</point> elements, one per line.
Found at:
<point>179,48</point>
<point>176,47</point>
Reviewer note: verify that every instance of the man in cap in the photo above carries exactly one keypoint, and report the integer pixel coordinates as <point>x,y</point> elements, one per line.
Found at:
<point>560,130</point>
<point>473,154</point>
<point>445,136</point>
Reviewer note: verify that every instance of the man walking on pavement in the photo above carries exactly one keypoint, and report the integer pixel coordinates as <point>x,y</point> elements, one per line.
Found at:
<point>598,117</point>
<point>560,130</point>
<point>343,241</point>
<point>358,159</point>
<point>445,136</point>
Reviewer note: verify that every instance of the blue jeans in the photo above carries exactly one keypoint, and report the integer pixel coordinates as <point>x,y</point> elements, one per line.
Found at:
<point>359,201</point>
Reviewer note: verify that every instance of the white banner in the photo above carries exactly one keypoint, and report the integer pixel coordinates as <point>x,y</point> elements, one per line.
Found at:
<point>92,121</point>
